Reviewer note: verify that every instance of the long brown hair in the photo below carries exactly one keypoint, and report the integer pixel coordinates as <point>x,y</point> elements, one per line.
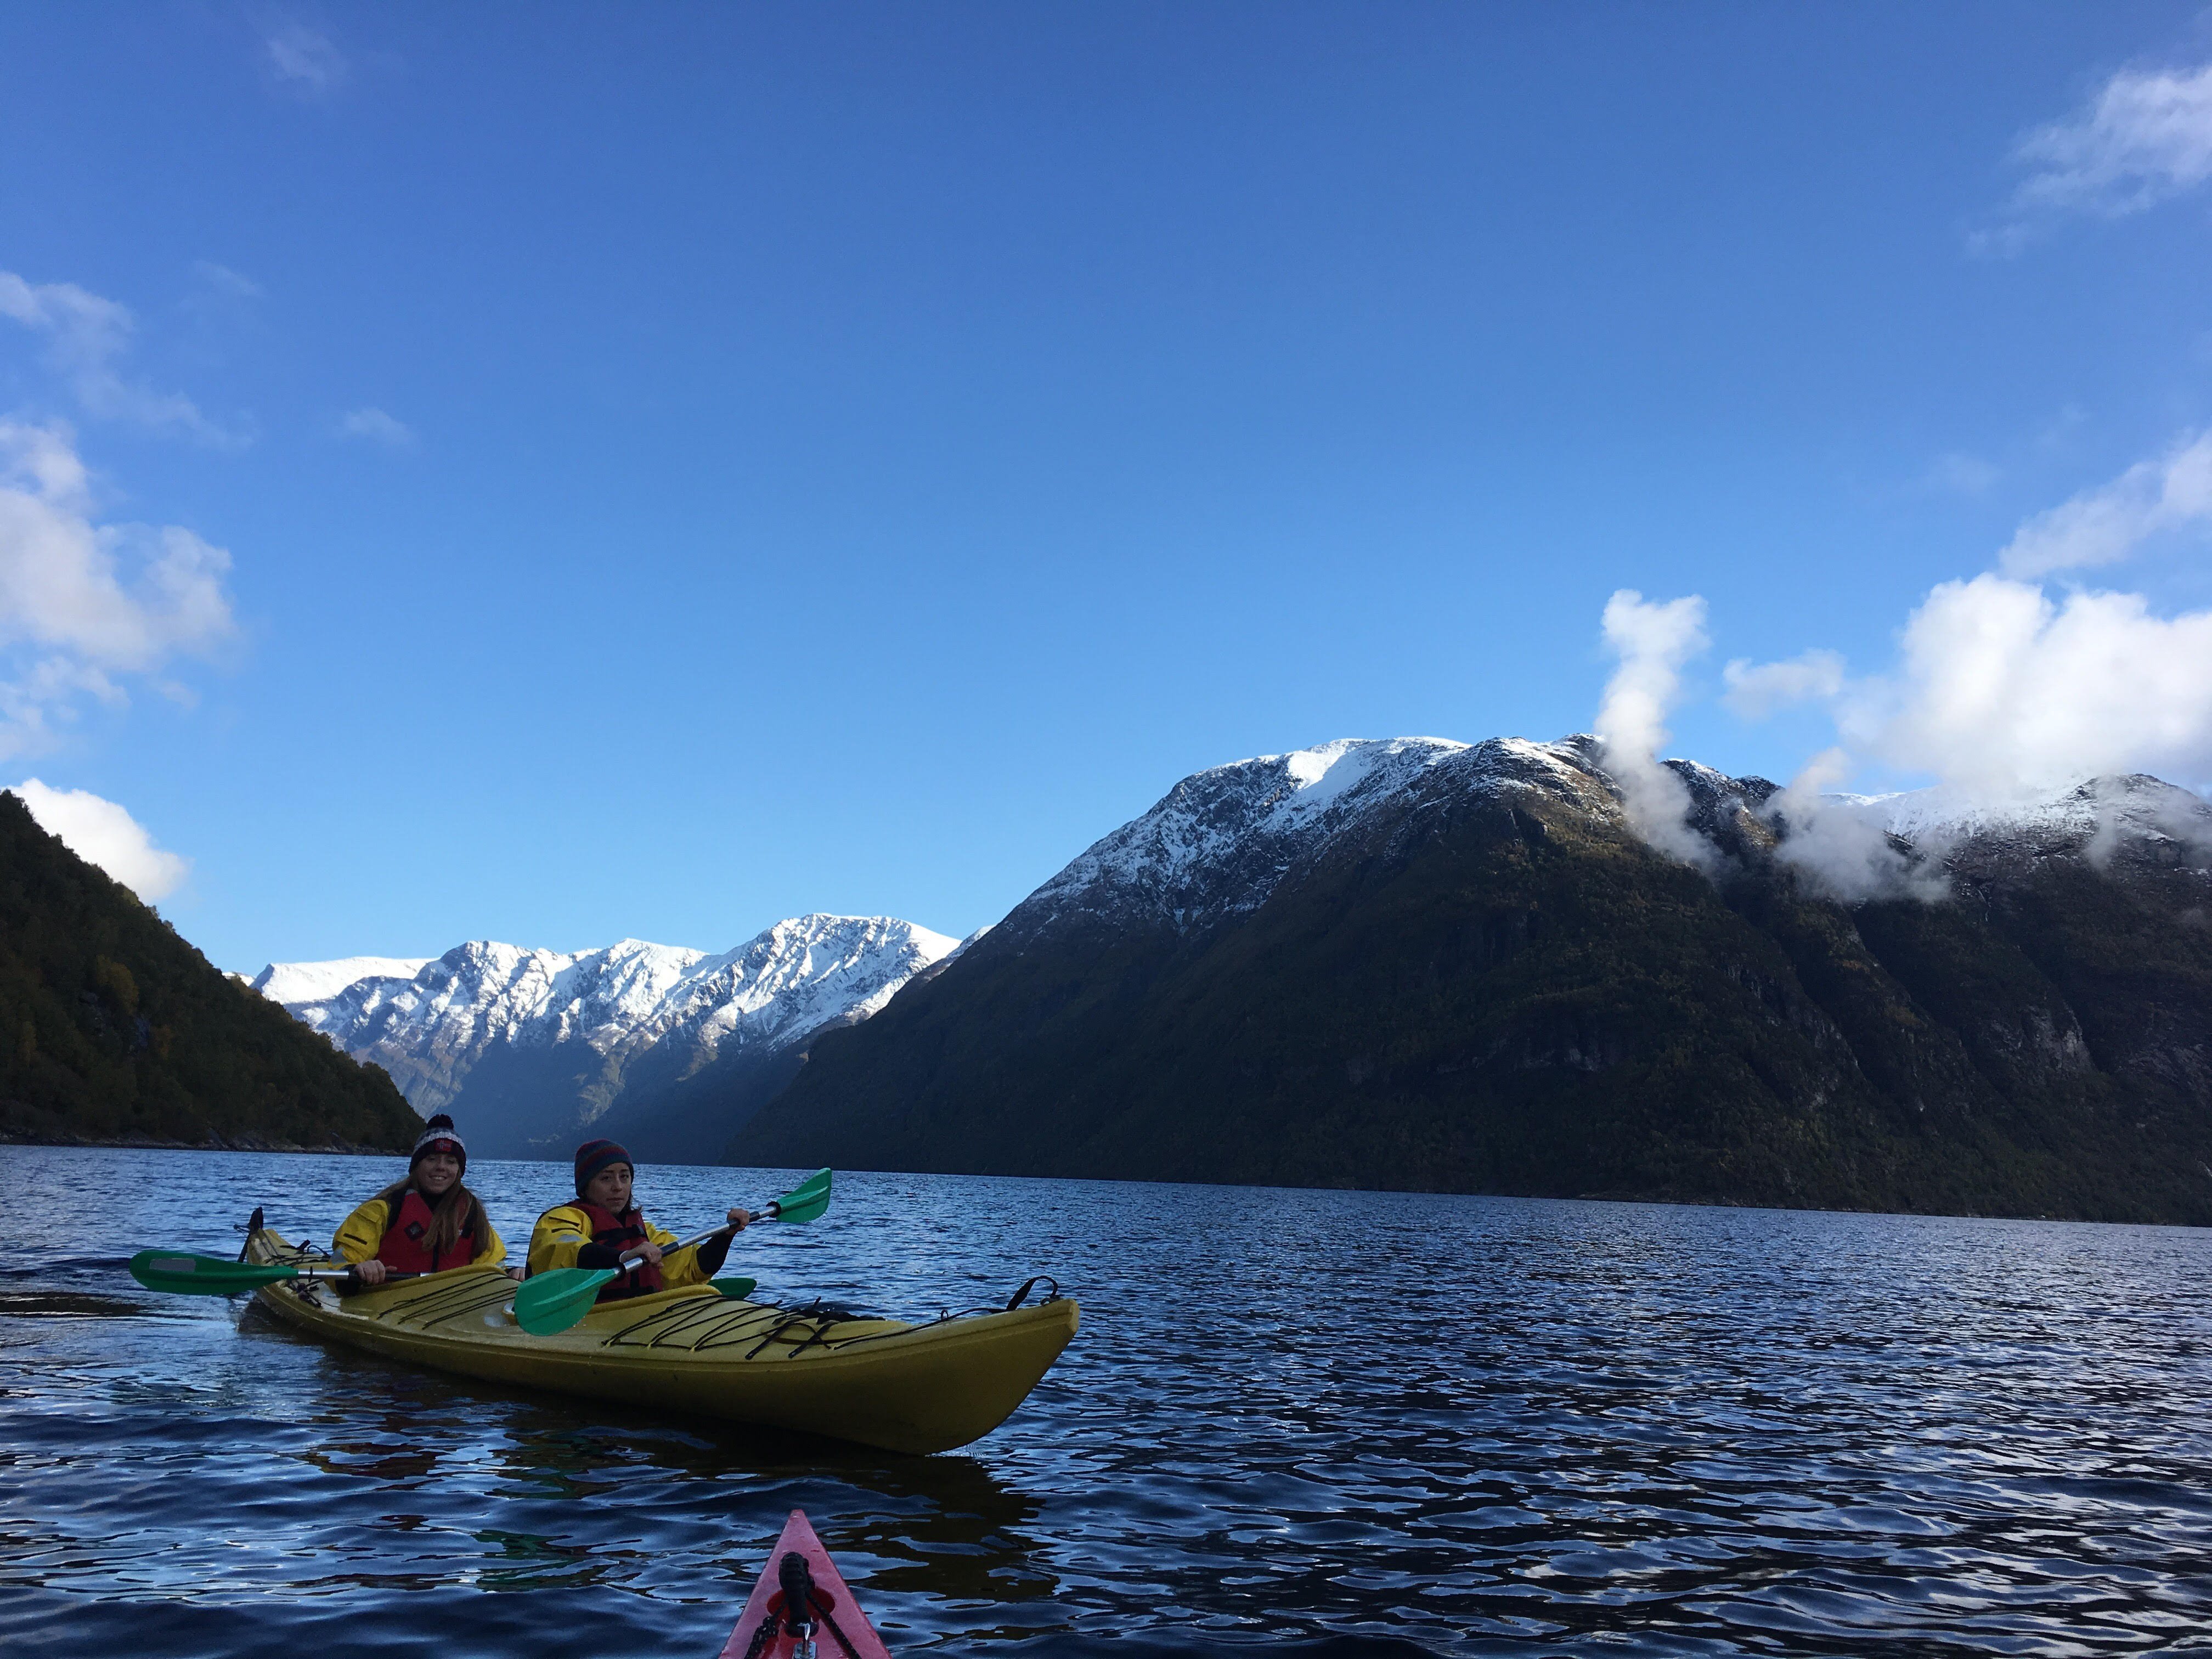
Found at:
<point>455,1213</point>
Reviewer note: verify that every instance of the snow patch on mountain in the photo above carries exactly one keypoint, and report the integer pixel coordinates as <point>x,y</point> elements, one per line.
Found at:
<point>290,983</point>
<point>2137,806</point>
<point>2134,818</point>
<point>1221,840</point>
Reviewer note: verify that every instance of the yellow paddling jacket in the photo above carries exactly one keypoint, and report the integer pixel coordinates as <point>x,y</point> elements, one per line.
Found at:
<point>361,1235</point>
<point>582,1235</point>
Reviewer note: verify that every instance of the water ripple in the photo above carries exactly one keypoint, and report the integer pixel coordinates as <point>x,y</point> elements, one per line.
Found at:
<point>1319,1423</point>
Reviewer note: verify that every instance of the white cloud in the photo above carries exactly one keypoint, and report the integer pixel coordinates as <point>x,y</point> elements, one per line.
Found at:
<point>86,335</point>
<point>1757,691</point>
<point>305,59</point>
<point>1653,642</point>
<point>376,426</point>
<point>2145,136</point>
<point>2001,690</point>
<point>2106,524</point>
<point>1957,474</point>
<point>225,280</point>
<point>1840,852</point>
<point>81,602</point>
<point>100,832</point>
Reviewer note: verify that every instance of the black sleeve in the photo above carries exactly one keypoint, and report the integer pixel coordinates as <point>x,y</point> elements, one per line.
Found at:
<point>598,1255</point>
<point>714,1253</point>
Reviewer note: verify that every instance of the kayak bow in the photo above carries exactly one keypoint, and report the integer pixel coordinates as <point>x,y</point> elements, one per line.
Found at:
<point>801,1607</point>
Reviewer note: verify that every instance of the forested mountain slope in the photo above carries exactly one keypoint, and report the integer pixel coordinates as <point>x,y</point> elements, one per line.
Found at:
<point>1426,965</point>
<point>112,1028</point>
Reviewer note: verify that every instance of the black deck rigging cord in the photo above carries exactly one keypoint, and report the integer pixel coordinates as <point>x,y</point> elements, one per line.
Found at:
<point>800,1610</point>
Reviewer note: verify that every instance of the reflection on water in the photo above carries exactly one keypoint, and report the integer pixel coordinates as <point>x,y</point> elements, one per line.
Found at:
<point>70,1304</point>
<point>1318,1421</point>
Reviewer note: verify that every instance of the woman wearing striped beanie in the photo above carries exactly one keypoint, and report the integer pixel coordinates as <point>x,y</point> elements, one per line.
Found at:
<point>425,1223</point>
<point>605,1224</point>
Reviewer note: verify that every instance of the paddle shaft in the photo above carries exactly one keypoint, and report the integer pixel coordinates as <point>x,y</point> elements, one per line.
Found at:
<point>207,1275</point>
<point>552,1301</point>
<point>769,1214</point>
<point>773,1210</point>
<point>630,1261</point>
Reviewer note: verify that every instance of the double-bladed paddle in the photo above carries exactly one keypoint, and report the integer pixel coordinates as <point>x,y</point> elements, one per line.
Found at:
<point>550,1302</point>
<point>215,1275</point>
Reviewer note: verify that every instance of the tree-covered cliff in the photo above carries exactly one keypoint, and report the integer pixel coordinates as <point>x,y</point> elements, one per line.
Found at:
<point>112,1028</point>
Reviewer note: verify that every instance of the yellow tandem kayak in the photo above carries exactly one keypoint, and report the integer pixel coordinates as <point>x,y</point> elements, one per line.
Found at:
<point>879,1381</point>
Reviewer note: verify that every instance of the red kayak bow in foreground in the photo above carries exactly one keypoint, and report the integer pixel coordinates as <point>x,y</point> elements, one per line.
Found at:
<point>800,1607</point>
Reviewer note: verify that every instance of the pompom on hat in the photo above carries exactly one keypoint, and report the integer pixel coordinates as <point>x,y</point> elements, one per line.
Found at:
<point>594,1155</point>
<point>438,1135</point>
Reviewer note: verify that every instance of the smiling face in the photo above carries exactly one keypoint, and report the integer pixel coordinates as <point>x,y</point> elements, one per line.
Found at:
<point>610,1188</point>
<point>434,1172</point>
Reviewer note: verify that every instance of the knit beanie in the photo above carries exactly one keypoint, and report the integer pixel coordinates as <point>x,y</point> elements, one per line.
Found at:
<point>438,1135</point>
<point>594,1155</point>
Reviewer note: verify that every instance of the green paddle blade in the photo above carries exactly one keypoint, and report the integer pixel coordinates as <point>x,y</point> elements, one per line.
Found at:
<point>737,1290</point>
<point>817,1182</point>
<point>804,1202</point>
<point>202,1275</point>
<point>550,1302</point>
<point>802,1209</point>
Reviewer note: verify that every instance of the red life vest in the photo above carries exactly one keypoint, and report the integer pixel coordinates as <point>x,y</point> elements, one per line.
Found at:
<point>401,1247</point>
<point>620,1232</point>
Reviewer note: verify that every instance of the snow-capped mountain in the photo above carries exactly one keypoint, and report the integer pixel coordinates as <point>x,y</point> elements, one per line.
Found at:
<point>1418,964</point>
<point>2099,813</point>
<point>1220,842</point>
<point>528,1047</point>
<point>295,983</point>
<point>672,1050</point>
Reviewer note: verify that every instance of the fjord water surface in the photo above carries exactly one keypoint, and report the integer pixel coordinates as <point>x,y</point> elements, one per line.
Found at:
<point>1318,1422</point>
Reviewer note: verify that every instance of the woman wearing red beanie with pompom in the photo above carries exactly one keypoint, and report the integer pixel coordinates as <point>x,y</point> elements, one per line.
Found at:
<point>605,1224</point>
<point>425,1223</point>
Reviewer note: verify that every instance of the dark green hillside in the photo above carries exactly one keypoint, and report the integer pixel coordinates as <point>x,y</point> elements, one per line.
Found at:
<point>1503,1000</point>
<point>111,1028</point>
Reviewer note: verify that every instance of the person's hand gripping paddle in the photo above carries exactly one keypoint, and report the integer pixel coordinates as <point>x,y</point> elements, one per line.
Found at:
<point>554,1301</point>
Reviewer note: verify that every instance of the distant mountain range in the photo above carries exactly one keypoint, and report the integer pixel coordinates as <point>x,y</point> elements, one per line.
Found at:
<point>664,1049</point>
<point>1418,964</point>
<point>1412,962</point>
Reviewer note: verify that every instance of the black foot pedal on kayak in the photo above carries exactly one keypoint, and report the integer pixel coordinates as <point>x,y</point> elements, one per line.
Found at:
<point>797,1586</point>
<point>802,1607</point>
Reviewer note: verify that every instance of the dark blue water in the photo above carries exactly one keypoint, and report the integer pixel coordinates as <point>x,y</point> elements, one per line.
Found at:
<point>1325,1422</point>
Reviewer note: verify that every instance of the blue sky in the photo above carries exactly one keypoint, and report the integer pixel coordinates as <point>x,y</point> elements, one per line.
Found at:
<point>687,466</point>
